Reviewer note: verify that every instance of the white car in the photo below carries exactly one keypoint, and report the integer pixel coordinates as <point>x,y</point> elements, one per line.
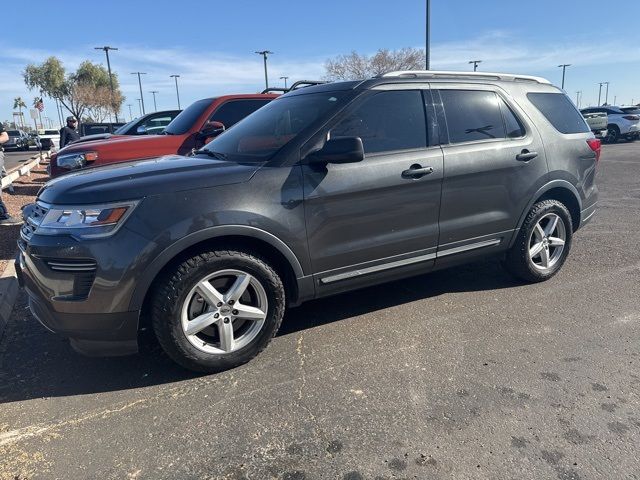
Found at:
<point>621,124</point>
<point>50,139</point>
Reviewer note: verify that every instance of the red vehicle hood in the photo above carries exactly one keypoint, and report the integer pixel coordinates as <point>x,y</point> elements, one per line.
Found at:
<point>140,144</point>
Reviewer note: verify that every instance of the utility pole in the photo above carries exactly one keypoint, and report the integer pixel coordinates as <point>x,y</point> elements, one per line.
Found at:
<point>614,99</point>
<point>140,85</point>
<point>130,114</point>
<point>285,81</point>
<point>139,106</point>
<point>606,95</point>
<point>113,102</point>
<point>155,107</point>
<point>475,64</point>
<point>564,68</point>
<point>264,54</point>
<point>427,43</point>
<point>600,93</point>
<point>175,77</point>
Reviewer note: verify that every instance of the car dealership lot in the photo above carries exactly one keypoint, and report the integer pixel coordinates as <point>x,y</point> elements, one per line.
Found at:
<point>463,373</point>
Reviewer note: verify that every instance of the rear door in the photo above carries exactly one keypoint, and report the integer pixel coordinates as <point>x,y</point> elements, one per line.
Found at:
<point>375,219</point>
<point>494,161</point>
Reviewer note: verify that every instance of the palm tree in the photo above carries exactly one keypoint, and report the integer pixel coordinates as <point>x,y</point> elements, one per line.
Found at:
<point>18,103</point>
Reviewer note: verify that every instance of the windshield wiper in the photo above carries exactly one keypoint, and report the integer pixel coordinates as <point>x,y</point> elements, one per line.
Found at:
<point>164,132</point>
<point>211,153</point>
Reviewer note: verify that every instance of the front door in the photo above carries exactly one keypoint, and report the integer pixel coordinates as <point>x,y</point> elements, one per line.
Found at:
<point>379,217</point>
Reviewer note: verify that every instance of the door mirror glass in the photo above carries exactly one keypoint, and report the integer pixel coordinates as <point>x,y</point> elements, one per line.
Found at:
<point>141,130</point>
<point>340,150</point>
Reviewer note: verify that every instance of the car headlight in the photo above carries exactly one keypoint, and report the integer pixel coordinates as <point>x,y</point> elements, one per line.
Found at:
<point>73,161</point>
<point>90,221</point>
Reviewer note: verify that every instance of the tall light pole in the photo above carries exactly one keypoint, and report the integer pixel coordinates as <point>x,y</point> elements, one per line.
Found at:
<point>285,81</point>
<point>427,39</point>
<point>606,95</point>
<point>175,77</point>
<point>264,54</point>
<point>139,106</point>
<point>106,51</point>
<point>600,93</point>
<point>564,69</point>
<point>155,107</point>
<point>475,64</point>
<point>578,95</point>
<point>140,85</point>
<point>130,114</point>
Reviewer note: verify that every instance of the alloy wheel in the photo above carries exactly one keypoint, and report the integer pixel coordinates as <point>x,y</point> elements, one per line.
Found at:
<point>547,242</point>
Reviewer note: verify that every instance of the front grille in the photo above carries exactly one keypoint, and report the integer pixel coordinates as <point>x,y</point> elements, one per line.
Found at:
<point>68,265</point>
<point>83,273</point>
<point>33,215</point>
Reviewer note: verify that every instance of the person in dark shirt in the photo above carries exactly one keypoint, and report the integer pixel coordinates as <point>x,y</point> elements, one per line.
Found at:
<point>5,218</point>
<point>69,134</point>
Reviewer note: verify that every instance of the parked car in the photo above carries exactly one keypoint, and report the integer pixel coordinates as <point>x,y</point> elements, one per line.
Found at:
<point>149,124</point>
<point>598,123</point>
<point>324,190</point>
<point>49,139</point>
<point>189,130</point>
<point>621,124</point>
<point>89,128</point>
<point>18,140</point>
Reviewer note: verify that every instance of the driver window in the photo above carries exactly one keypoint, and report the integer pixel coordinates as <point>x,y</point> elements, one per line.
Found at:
<point>387,121</point>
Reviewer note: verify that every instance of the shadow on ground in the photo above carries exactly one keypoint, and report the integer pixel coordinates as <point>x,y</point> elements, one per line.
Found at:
<point>35,363</point>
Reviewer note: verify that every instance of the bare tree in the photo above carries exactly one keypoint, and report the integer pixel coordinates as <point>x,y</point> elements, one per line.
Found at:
<point>357,66</point>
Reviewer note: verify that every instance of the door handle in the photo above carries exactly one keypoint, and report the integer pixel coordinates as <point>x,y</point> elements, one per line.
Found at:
<point>416,171</point>
<point>526,155</point>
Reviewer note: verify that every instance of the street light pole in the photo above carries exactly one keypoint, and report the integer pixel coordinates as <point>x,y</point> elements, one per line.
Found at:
<point>606,95</point>
<point>175,77</point>
<point>264,54</point>
<point>285,81</point>
<point>578,93</point>
<point>140,85</point>
<point>427,43</point>
<point>600,93</point>
<point>475,64</point>
<point>155,107</point>
<point>106,51</point>
<point>564,68</point>
<point>130,114</point>
<point>139,106</point>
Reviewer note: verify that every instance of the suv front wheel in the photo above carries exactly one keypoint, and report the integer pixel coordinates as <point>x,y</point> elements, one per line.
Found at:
<point>543,242</point>
<point>218,310</point>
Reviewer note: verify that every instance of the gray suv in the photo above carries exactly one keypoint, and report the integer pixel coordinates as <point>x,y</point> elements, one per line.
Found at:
<point>324,190</point>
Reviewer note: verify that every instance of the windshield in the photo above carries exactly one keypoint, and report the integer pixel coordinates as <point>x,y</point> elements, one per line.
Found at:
<point>13,133</point>
<point>185,120</point>
<point>121,130</point>
<point>264,132</point>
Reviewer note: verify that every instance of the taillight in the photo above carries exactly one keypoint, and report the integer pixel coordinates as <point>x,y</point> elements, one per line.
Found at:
<point>596,145</point>
<point>633,118</point>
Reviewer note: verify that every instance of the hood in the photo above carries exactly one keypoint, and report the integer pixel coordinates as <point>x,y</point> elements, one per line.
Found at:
<point>92,138</point>
<point>126,141</point>
<point>134,180</point>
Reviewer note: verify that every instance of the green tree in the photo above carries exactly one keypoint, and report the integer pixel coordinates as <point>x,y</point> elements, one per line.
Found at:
<point>80,91</point>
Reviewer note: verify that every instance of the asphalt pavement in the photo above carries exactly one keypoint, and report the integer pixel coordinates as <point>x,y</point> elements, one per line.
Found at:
<point>13,159</point>
<point>460,374</point>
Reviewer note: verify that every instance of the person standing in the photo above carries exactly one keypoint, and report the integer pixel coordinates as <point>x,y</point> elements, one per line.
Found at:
<point>68,133</point>
<point>5,218</point>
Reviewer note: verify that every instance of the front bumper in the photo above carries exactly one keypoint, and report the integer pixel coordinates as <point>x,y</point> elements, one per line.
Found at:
<point>89,307</point>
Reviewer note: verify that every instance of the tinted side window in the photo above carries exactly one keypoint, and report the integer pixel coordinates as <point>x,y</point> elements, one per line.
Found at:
<point>232,112</point>
<point>472,115</point>
<point>387,121</point>
<point>514,126</point>
<point>560,111</point>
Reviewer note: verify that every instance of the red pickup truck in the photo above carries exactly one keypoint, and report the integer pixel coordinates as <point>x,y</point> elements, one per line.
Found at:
<point>191,129</point>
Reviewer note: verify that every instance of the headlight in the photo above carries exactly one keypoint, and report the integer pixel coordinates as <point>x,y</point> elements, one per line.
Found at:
<point>90,221</point>
<point>73,161</point>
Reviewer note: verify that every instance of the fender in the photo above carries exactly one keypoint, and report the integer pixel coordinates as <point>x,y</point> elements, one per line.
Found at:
<point>558,183</point>
<point>144,282</point>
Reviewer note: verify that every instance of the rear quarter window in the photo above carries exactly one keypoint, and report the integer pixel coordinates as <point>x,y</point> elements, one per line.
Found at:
<point>560,111</point>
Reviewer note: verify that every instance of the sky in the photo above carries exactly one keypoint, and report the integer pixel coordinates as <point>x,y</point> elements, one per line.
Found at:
<point>211,44</point>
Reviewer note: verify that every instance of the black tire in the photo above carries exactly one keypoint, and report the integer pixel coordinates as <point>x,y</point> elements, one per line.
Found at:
<point>518,261</point>
<point>613,134</point>
<point>172,291</point>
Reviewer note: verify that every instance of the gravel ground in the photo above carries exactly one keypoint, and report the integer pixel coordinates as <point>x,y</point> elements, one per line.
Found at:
<point>25,190</point>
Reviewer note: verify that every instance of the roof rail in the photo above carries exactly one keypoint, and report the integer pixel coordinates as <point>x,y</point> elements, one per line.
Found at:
<point>470,75</point>
<point>294,86</point>
<point>275,89</point>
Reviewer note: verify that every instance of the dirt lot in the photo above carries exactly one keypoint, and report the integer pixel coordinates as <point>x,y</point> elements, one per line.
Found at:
<point>461,374</point>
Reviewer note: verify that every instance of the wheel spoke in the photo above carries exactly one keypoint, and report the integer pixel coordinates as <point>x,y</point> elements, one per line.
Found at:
<point>539,232</point>
<point>544,256</point>
<point>556,242</point>
<point>551,225</point>
<point>238,288</point>
<point>535,250</point>
<point>227,340</point>
<point>249,313</point>
<point>200,323</point>
<point>209,293</point>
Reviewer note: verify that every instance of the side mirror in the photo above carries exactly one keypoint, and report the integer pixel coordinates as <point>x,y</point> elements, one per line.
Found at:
<point>141,130</point>
<point>213,129</point>
<point>340,150</point>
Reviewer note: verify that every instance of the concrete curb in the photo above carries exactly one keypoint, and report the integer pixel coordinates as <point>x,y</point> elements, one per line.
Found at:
<point>22,170</point>
<point>8,294</point>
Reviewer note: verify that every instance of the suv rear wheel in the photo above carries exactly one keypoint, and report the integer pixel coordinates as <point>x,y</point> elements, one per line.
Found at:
<point>613,134</point>
<point>218,310</point>
<point>543,242</point>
